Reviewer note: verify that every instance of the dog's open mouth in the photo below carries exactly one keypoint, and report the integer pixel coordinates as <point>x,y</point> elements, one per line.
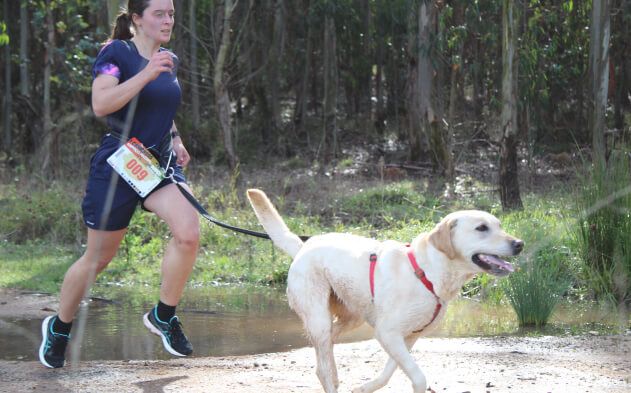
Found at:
<point>493,264</point>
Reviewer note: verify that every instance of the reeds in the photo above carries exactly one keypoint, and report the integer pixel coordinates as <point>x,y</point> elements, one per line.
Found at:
<point>535,289</point>
<point>603,230</point>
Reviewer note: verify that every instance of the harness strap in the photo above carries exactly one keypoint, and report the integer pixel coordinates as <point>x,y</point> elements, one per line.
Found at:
<point>373,263</point>
<point>419,273</point>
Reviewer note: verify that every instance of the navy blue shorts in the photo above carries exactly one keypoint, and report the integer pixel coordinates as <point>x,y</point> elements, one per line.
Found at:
<point>125,199</point>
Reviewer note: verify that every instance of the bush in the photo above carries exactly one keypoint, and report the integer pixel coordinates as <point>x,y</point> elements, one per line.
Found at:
<point>603,229</point>
<point>50,215</point>
<point>380,206</point>
<point>535,289</point>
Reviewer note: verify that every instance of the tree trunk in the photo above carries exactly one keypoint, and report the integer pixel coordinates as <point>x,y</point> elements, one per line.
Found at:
<point>361,65</point>
<point>448,165</point>
<point>24,60</point>
<point>195,106</point>
<point>113,9</point>
<point>48,141</point>
<point>454,96</point>
<point>221,90</point>
<point>302,92</point>
<point>7,131</point>
<point>329,148</point>
<point>477,79</point>
<point>430,104</point>
<point>380,111</point>
<point>365,103</point>
<point>620,48</point>
<point>260,38</point>
<point>508,176</point>
<point>178,43</point>
<point>416,107</point>
<point>273,65</point>
<point>599,67</point>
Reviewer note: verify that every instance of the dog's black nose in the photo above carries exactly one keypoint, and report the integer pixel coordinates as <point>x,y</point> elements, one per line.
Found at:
<point>518,246</point>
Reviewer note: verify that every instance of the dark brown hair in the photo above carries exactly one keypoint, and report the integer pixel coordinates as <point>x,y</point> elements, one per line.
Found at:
<point>122,29</point>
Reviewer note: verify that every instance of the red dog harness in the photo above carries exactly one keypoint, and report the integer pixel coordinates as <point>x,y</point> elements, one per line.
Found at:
<point>418,272</point>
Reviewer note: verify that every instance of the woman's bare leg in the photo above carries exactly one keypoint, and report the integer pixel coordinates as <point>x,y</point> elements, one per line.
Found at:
<point>102,247</point>
<point>169,204</point>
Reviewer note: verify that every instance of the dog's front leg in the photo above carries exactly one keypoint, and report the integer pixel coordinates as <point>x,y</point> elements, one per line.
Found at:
<point>387,372</point>
<point>397,347</point>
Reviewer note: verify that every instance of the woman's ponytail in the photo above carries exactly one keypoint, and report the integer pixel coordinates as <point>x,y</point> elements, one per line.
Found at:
<point>122,29</point>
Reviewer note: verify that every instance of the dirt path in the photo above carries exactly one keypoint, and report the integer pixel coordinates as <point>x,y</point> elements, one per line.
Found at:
<point>591,363</point>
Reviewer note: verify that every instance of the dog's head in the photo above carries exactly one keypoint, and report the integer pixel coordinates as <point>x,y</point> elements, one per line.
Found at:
<point>476,240</point>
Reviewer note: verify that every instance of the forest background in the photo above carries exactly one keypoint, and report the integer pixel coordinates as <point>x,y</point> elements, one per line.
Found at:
<point>274,79</point>
<point>473,98</point>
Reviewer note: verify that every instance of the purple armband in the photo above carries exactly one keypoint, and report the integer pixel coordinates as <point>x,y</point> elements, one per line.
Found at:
<point>109,69</point>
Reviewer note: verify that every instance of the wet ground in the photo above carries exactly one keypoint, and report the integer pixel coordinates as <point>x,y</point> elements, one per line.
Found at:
<point>592,362</point>
<point>477,365</point>
<point>228,321</point>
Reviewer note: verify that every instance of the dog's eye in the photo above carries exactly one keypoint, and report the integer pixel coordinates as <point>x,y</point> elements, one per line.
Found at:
<point>482,228</point>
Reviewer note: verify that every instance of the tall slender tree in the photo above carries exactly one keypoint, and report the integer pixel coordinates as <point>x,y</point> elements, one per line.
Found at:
<point>47,151</point>
<point>273,68</point>
<point>114,7</point>
<point>24,59</point>
<point>194,67</point>
<point>8,102</point>
<point>302,91</point>
<point>508,176</point>
<point>599,70</point>
<point>220,86</point>
<point>329,142</point>
<point>417,92</point>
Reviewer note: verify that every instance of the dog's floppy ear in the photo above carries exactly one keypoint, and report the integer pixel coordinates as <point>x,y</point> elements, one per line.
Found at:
<point>440,237</point>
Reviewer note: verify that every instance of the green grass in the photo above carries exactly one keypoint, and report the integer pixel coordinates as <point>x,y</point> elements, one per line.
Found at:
<point>536,288</point>
<point>38,259</point>
<point>34,266</point>
<point>51,214</point>
<point>603,229</point>
<point>381,207</point>
<point>542,224</point>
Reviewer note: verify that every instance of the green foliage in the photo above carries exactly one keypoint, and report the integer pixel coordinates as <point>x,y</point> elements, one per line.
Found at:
<point>553,60</point>
<point>603,229</point>
<point>540,225</point>
<point>397,211</point>
<point>535,289</point>
<point>37,266</point>
<point>4,37</point>
<point>42,215</point>
<point>383,206</point>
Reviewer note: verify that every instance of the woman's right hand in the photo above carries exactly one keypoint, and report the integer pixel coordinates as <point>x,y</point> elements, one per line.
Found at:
<point>160,62</point>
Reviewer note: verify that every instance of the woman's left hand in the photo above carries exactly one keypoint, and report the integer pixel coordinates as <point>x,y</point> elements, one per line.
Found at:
<point>180,151</point>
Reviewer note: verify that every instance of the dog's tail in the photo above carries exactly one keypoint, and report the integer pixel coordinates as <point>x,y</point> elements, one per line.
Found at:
<point>273,223</point>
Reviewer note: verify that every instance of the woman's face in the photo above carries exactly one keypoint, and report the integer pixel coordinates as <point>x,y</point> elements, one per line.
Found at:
<point>156,22</point>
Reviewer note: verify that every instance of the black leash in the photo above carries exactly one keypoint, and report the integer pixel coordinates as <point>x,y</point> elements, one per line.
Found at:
<point>210,218</point>
<point>196,203</point>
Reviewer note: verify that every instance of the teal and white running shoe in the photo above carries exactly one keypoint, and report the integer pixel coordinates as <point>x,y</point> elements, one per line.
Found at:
<point>173,338</point>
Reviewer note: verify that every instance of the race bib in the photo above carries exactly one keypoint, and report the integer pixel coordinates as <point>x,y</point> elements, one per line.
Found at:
<point>134,163</point>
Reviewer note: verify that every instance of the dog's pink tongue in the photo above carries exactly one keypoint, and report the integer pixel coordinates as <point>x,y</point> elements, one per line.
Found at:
<point>493,260</point>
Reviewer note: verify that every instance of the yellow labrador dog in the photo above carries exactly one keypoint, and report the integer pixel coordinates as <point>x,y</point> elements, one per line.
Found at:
<point>337,281</point>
